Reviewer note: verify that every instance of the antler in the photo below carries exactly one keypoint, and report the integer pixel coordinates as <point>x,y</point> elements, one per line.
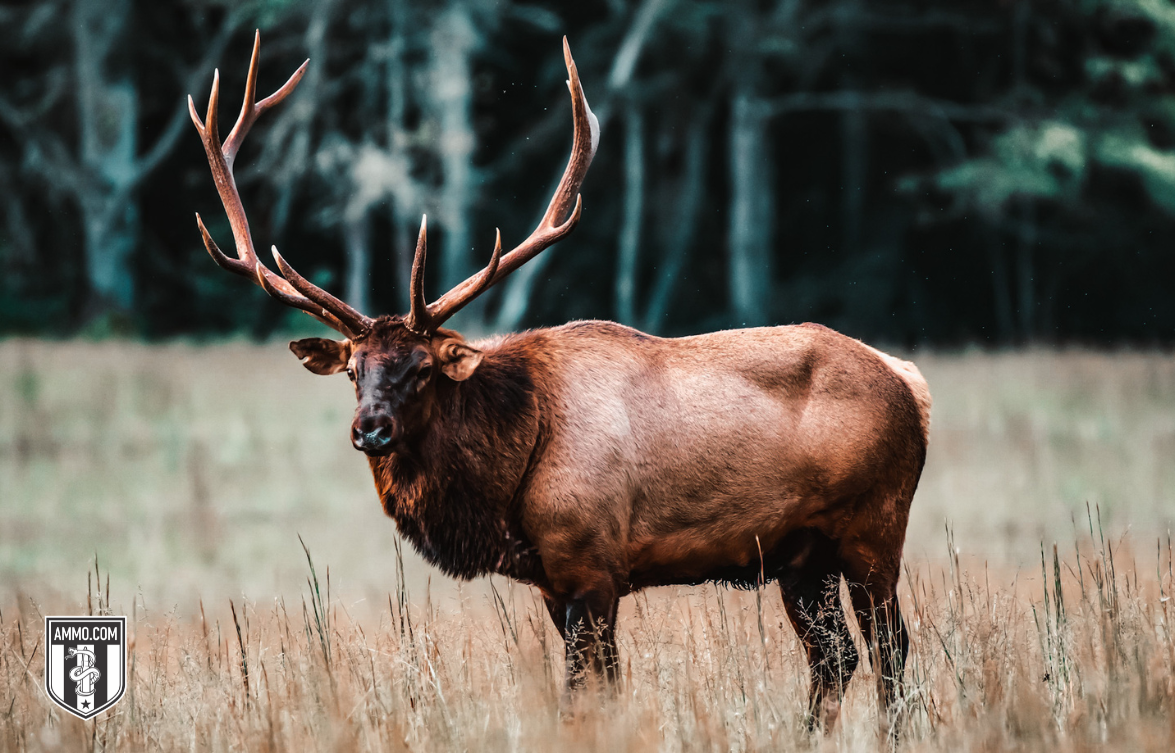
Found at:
<point>295,290</point>
<point>553,227</point>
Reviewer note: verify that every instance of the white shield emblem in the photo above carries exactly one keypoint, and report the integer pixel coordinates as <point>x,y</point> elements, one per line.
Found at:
<point>85,663</point>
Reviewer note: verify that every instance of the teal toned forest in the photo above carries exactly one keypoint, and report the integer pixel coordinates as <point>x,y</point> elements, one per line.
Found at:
<point>946,173</point>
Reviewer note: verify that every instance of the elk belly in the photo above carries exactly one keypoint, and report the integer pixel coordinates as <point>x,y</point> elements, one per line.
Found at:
<point>692,557</point>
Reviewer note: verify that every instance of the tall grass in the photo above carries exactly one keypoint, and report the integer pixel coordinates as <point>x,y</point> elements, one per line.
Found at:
<point>1080,657</point>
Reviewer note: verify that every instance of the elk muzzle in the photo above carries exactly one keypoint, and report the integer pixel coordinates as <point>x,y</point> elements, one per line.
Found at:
<point>375,433</point>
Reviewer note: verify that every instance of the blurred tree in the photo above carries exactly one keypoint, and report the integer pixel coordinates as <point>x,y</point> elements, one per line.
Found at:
<point>1034,180</point>
<point>98,161</point>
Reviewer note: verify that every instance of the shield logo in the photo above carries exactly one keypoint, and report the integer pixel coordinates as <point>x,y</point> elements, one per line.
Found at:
<point>85,663</point>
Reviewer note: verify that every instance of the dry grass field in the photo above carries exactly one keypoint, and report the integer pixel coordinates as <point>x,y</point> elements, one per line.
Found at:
<point>188,472</point>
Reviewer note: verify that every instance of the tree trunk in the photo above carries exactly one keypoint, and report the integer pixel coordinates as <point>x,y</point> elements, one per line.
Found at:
<point>689,205</point>
<point>108,124</point>
<point>357,238</point>
<point>855,151</point>
<point>453,42</point>
<point>750,213</point>
<point>401,214</point>
<point>22,245</point>
<point>111,235</point>
<point>1025,270</point>
<point>854,147</point>
<point>1002,292</point>
<point>634,207</point>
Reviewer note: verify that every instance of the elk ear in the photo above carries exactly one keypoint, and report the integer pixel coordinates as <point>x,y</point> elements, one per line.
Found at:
<point>322,356</point>
<point>458,360</point>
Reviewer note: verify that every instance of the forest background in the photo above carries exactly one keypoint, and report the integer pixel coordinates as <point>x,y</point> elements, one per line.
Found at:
<point>911,173</point>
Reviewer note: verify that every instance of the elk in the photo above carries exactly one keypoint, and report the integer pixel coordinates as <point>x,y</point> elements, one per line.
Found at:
<point>591,460</point>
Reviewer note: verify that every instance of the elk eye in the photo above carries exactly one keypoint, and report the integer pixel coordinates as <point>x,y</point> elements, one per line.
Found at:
<point>351,373</point>
<point>423,375</point>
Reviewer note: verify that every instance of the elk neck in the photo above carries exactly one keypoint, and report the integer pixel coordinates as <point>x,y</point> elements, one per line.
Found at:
<point>453,489</point>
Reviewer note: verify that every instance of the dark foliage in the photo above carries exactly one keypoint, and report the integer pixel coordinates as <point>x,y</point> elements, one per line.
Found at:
<point>906,172</point>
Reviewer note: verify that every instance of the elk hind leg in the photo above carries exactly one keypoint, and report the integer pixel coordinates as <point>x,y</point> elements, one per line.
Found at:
<point>872,579</point>
<point>810,584</point>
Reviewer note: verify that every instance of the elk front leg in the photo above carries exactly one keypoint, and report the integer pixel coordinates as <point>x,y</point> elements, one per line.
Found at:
<point>588,628</point>
<point>584,562</point>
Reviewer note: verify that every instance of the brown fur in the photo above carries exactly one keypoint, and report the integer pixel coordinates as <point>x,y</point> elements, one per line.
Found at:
<point>592,460</point>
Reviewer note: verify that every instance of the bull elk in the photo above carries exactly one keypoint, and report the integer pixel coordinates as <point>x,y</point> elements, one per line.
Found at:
<point>591,460</point>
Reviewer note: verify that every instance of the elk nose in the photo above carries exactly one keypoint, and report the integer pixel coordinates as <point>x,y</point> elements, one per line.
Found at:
<point>373,434</point>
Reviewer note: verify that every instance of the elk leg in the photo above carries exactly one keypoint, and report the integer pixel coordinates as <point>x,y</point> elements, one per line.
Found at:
<point>590,638</point>
<point>557,608</point>
<point>873,588</point>
<point>810,584</point>
<point>609,655</point>
<point>884,632</point>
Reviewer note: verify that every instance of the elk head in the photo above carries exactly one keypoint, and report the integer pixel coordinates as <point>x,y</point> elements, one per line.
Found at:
<point>395,362</point>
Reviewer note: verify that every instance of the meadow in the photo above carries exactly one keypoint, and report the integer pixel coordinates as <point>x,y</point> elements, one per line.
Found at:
<point>173,484</point>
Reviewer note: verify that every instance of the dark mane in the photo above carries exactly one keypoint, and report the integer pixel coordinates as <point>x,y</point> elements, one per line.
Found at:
<point>452,493</point>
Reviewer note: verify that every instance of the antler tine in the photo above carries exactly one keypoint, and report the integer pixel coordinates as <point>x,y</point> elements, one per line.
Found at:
<point>585,139</point>
<point>418,318</point>
<point>211,117</point>
<point>549,231</point>
<point>487,275</point>
<point>276,289</point>
<point>425,322</point>
<point>263,276</point>
<point>321,305</point>
<point>251,109</point>
<point>236,266</point>
<point>325,300</point>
